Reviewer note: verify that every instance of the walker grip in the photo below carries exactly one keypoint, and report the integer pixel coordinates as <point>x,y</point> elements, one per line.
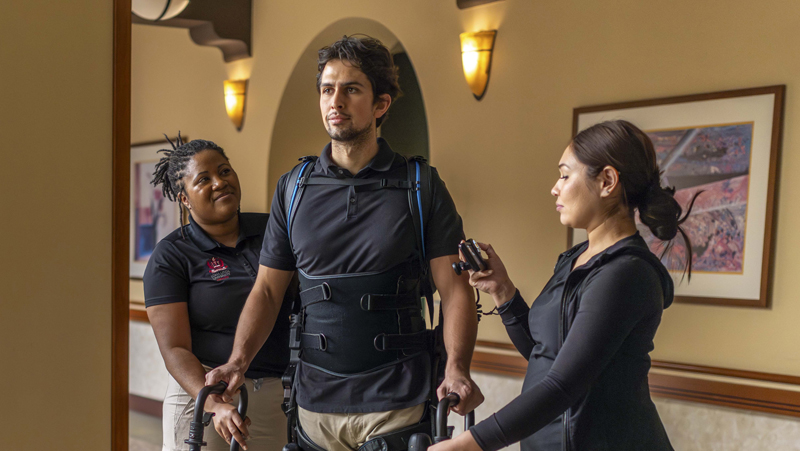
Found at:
<point>202,419</point>
<point>442,432</point>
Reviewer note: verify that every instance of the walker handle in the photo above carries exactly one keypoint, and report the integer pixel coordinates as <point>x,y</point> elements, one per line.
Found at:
<point>202,419</point>
<point>442,431</point>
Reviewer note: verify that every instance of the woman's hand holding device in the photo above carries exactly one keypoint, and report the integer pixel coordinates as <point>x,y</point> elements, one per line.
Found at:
<point>493,280</point>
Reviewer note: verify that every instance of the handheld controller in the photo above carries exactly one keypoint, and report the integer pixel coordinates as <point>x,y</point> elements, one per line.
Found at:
<point>472,254</point>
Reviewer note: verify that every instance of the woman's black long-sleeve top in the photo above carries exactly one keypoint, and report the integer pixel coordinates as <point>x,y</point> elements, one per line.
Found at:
<point>587,339</point>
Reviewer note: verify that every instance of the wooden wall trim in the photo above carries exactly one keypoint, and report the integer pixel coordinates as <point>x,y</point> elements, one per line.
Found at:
<point>742,395</point>
<point>728,372</point>
<point>146,406</point>
<point>120,189</point>
<point>138,315</point>
<point>506,365</point>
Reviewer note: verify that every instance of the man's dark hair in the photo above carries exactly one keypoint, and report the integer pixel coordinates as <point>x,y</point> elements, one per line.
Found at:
<point>371,57</point>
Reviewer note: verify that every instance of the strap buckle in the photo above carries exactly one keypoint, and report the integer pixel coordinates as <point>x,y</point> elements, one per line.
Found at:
<point>380,342</point>
<point>319,343</point>
<point>315,294</point>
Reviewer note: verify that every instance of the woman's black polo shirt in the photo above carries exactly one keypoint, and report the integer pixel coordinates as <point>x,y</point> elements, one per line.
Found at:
<point>215,281</point>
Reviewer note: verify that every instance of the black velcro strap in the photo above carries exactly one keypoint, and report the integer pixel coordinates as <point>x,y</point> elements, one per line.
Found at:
<point>315,294</point>
<point>359,184</point>
<point>373,302</point>
<point>317,342</point>
<point>399,342</point>
<point>384,183</point>
<point>397,440</point>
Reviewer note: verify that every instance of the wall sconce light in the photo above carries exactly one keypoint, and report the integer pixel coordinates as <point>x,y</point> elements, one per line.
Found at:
<point>476,57</point>
<point>156,10</point>
<point>235,93</point>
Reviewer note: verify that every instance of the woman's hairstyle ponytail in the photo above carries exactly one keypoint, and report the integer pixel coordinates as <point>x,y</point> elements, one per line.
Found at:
<point>630,151</point>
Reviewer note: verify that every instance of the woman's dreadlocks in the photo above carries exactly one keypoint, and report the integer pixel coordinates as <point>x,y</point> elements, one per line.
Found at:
<point>171,168</point>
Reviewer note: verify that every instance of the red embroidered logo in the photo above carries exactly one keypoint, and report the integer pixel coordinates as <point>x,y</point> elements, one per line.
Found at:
<point>218,269</point>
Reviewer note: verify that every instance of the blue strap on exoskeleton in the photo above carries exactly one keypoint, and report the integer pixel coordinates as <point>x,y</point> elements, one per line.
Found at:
<point>291,204</point>
<point>419,204</point>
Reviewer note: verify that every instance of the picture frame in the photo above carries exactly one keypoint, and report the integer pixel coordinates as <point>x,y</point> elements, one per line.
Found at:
<point>152,216</point>
<point>728,144</point>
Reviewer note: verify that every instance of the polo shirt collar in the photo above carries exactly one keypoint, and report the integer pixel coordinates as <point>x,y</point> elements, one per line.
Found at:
<point>205,243</point>
<point>382,161</point>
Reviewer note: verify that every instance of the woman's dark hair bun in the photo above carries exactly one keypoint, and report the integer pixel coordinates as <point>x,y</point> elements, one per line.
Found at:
<point>660,212</point>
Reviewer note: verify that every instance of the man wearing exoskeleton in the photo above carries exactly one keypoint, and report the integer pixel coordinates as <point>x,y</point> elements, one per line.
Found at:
<point>367,230</point>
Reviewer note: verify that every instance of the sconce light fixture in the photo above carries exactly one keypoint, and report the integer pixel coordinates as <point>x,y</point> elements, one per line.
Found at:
<point>156,10</point>
<point>235,93</point>
<point>476,58</point>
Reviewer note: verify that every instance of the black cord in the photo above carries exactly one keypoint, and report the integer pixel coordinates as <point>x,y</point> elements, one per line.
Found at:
<point>479,307</point>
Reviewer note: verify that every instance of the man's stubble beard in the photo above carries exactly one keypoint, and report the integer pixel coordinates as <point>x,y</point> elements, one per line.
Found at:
<point>349,135</point>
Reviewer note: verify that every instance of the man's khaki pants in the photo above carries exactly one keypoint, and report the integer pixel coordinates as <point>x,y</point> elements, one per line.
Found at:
<point>268,423</point>
<point>348,431</point>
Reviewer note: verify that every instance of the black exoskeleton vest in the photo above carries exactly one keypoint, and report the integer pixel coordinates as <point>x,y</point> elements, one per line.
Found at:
<point>383,312</point>
<point>351,323</point>
<point>354,324</point>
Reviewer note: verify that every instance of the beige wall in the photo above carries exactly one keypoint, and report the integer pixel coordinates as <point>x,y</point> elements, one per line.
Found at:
<point>55,299</point>
<point>549,58</point>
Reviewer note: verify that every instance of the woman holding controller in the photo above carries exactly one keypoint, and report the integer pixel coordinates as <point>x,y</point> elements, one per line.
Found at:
<point>195,285</point>
<point>588,334</point>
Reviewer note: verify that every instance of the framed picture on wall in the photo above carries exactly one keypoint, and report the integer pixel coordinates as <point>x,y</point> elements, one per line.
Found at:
<point>152,215</point>
<point>726,144</point>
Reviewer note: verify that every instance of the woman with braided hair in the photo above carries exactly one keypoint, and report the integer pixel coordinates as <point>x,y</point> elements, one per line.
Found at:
<point>195,284</point>
<point>588,334</point>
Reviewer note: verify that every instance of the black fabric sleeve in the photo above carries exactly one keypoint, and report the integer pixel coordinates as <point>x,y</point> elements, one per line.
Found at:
<point>515,317</point>
<point>445,229</point>
<point>615,298</point>
<point>276,251</point>
<point>165,278</point>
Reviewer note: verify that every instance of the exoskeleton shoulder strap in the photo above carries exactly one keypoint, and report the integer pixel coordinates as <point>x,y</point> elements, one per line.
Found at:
<point>295,186</point>
<point>419,197</point>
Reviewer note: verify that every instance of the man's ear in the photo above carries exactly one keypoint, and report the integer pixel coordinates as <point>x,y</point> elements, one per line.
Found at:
<point>382,104</point>
<point>609,181</point>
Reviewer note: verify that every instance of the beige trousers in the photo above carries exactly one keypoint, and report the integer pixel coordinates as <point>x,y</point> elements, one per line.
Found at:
<point>268,423</point>
<point>348,431</point>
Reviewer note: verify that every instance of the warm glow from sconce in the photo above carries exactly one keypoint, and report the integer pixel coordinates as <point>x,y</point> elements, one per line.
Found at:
<point>476,58</point>
<point>235,93</point>
<point>240,69</point>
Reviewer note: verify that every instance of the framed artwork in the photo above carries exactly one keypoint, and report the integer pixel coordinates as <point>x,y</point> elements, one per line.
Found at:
<point>726,144</point>
<point>152,215</point>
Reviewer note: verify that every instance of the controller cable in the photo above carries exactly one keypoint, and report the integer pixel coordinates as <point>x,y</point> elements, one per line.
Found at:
<point>480,307</point>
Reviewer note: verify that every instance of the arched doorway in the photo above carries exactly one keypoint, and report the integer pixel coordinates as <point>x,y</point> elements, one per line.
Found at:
<point>298,127</point>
